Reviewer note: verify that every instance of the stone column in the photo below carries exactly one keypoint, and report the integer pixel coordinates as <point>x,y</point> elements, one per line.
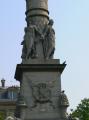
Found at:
<point>37,11</point>
<point>37,18</point>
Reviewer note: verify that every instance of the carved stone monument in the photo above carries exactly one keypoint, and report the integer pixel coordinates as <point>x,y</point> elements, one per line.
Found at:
<point>41,96</point>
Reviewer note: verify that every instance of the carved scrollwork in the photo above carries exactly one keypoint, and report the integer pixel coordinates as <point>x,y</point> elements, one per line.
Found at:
<point>41,93</point>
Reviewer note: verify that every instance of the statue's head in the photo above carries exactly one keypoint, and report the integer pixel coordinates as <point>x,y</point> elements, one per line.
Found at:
<point>51,22</point>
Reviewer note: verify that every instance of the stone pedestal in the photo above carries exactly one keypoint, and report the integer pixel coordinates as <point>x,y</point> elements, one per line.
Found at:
<point>41,88</point>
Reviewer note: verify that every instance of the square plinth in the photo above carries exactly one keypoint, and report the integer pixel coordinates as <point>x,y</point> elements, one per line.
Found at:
<point>38,65</point>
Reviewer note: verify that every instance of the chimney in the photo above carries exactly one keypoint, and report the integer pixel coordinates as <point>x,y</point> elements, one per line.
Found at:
<point>3,83</point>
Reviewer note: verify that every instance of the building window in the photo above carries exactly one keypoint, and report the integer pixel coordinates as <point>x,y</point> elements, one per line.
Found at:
<point>12,95</point>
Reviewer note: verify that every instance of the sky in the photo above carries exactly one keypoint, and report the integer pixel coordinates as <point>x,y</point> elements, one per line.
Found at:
<point>71,24</point>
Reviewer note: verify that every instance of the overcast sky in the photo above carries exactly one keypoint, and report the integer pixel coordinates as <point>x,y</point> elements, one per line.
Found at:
<point>71,24</point>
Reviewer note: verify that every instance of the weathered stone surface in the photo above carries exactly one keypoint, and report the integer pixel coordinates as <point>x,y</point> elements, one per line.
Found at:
<point>48,107</point>
<point>39,38</point>
<point>37,8</point>
<point>38,43</point>
<point>42,61</point>
<point>41,87</point>
<point>39,74</point>
<point>38,65</point>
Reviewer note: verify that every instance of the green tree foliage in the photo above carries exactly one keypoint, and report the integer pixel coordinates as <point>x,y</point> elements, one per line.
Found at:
<point>2,115</point>
<point>82,110</point>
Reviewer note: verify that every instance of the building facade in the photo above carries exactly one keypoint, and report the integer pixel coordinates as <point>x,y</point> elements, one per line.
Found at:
<point>8,98</point>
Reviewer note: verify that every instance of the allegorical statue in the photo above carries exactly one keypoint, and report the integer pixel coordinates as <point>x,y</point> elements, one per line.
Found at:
<point>35,37</point>
<point>63,99</point>
<point>49,40</point>
<point>29,42</point>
